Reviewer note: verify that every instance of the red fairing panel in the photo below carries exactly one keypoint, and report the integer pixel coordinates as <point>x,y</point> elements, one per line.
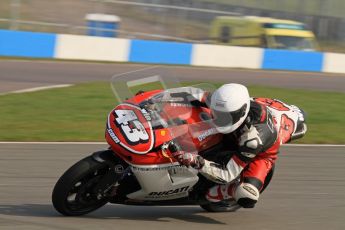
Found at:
<point>132,128</point>
<point>131,136</point>
<point>130,133</point>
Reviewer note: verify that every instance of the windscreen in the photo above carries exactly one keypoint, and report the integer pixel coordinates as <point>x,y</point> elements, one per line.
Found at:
<point>168,99</point>
<point>293,43</point>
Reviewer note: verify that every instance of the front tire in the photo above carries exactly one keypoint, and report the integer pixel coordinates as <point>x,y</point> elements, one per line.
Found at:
<point>73,194</point>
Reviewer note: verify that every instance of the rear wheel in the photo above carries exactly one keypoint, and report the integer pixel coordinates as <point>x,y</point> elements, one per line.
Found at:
<point>223,206</point>
<point>74,194</point>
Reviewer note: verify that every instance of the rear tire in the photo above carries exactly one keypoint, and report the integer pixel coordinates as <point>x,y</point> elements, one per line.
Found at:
<point>223,206</point>
<point>73,194</point>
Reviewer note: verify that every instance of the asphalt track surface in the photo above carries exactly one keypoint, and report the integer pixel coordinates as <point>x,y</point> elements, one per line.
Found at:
<point>18,75</point>
<point>307,192</point>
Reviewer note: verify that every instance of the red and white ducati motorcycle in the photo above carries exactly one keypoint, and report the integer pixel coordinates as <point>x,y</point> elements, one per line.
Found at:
<point>138,168</point>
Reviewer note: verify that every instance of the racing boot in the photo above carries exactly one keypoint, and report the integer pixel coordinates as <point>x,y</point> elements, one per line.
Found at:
<point>245,194</point>
<point>219,193</point>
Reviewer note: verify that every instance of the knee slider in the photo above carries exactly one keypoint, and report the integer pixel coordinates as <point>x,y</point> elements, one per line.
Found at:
<point>246,195</point>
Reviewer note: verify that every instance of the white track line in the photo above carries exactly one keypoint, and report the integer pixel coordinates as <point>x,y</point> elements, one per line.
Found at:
<point>313,145</point>
<point>34,89</point>
<point>105,143</point>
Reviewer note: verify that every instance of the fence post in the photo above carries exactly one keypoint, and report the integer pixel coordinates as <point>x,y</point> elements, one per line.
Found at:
<point>15,14</point>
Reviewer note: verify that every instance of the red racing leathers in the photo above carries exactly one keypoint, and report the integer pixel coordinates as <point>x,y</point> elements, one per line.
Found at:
<point>268,124</point>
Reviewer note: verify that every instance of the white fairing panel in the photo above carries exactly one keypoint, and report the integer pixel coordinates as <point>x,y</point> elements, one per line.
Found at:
<point>166,182</point>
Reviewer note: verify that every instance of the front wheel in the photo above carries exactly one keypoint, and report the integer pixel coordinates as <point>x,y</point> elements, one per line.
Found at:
<point>74,194</point>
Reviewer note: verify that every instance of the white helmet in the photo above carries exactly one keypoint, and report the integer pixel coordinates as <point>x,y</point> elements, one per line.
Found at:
<point>230,106</point>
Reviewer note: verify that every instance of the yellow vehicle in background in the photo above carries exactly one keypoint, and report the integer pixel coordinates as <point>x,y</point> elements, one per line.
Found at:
<point>262,32</point>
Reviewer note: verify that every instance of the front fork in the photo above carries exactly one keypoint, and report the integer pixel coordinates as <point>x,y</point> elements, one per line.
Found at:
<point>106,187</point>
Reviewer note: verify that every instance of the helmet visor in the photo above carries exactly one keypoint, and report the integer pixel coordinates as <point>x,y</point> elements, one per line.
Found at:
<point>223,119</point>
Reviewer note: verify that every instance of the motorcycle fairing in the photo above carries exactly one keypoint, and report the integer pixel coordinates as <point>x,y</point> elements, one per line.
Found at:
<point>130,127</point>
<point>163,182</point>
<point>187,125</point>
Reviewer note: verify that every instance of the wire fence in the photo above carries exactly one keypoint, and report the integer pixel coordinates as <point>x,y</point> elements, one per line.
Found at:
<point>181,20</point>
<point>139,20</point>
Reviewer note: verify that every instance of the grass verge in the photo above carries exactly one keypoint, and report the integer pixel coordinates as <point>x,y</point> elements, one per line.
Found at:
<point>79,113</point>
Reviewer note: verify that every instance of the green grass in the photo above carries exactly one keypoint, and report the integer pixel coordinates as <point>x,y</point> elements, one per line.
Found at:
<point>79,113</point>
<point>76,113</point>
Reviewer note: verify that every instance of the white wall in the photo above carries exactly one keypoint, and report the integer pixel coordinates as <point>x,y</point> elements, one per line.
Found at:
<point>116,49</point>
<point>92,48</point>
<point>227,56</point>
<point>334,63</point>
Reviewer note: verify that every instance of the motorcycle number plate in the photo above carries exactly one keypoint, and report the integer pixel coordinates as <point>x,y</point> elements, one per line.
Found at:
<point>130,126</point>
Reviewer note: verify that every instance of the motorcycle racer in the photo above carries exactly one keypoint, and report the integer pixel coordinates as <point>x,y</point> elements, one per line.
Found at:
<point>257,127</point>
<point>228,141</point>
